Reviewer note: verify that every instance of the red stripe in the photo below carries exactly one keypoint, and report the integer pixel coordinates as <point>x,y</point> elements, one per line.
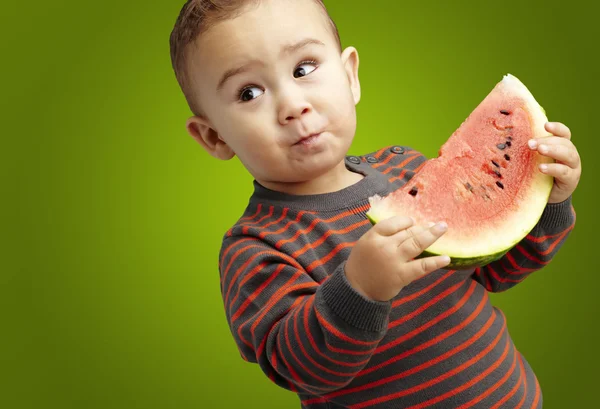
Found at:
<point>380,151</point>
<point>328,257</point>
<point>401,175</point>
<point>334,331</point>
<point>312,225</point>
<point>256,292</point>
<point>283,215</point>
<point>492,388</point>
<point>328,233</point>
<point>274,360</point>
<point>316,348</point>
<point>246,226</point>
<point>556,242</point>
<point>549,250</point>
<point>469,384</point>
<point>444,376</point>
<point>430,323</point>
<point>544,238</point>
<point>432,341</point>
<point>298,361</point>
<point>232,245</point>
<point>530,257</point>
<point>383,162</point>
<point>484,277</point>
<point>225,271</point>
<point>421,347</point>
<point>279,294</point>
<point>517,269</point>
<point>514,389</point>
<point>501,279</point>
<point>536,399</point>
<point>524,376</point>
<point>242,268</point>
<point>247,277</point>
<point>261,346</point>
<point>425,306</point>
<point>310,359</point>
<point>411,297</point>
<point>285,228</point>
<point>403,163</point>
<point>258,209</point>
<point>296,378</point>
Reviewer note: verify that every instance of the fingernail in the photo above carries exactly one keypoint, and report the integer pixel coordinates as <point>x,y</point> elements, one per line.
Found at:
<point>543,168</point>
<point>430,224</point>
<point>532,143</point>
<point>445,259</point>
<point>442,226</point>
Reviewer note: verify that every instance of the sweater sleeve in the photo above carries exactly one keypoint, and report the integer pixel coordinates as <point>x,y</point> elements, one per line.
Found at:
<point>532,253</point>
<point>305,335</point>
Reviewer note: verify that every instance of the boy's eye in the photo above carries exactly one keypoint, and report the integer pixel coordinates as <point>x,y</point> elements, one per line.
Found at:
<point>249,93</point>
<point>300,71</point>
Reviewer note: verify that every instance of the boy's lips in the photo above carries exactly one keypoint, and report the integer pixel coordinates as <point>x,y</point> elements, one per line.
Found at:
<point>305,138</point>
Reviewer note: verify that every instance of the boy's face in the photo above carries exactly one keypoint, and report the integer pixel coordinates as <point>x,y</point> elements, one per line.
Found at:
<point>269,79</point>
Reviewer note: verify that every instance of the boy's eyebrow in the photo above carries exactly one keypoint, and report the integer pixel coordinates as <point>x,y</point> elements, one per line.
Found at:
<point>287,49</point>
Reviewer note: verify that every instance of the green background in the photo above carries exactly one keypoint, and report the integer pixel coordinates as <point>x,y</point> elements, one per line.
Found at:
<point>112,214</point>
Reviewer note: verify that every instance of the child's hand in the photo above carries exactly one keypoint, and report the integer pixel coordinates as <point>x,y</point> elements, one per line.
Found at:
<point>567,169</point>
<point>380,264</point>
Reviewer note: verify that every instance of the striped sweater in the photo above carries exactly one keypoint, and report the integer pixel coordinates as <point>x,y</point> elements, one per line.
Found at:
<point>438,344</point>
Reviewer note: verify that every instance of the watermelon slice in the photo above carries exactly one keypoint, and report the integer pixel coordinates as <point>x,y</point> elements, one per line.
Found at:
<point>485,183</point>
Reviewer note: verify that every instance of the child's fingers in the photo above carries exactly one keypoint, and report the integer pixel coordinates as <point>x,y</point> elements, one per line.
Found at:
<point>559,171</point>
<point>566,154</point>
<point>393,225</point>
<point>412,231</point>
<point>558,129</point>
<point>414,245</point>
<point>418,268</point>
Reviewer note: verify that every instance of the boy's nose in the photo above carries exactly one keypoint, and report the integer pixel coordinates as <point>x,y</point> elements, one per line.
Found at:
<point>293,108</point>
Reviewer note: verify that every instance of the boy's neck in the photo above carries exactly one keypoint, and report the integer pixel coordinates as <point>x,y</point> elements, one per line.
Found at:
<point>336,179</point>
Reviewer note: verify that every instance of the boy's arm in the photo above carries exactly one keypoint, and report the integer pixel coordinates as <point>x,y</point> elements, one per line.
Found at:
<point>305,335</point>
<point>533,252</point>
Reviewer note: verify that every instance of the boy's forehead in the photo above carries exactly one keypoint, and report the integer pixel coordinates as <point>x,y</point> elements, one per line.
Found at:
<point>261,31</point>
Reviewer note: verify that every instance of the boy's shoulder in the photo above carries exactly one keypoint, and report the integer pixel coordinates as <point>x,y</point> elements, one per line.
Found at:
<point>392,165</point>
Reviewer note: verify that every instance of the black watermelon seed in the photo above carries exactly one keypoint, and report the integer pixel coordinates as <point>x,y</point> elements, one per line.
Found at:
<point>501,146</point>
<point>503,112</point>
<point>506,157</point>
<point>468,186</point>
<point>500,185</point>
<point>508,143</point>
<point>413,191</point>
<point>497,173</point>
<point>510,137</point>
<point>495,164</point>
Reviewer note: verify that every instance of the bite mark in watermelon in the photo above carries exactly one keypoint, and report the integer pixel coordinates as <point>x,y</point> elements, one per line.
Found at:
<point>485,183</point>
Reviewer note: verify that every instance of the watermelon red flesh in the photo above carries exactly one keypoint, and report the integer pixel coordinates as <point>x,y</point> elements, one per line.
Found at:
<point>485,183</point>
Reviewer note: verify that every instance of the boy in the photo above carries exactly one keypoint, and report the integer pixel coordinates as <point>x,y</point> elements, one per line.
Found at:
<point>328,306</point>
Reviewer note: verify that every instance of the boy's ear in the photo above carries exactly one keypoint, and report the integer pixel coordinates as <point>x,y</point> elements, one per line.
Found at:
<point>350,61</point>
<point>201,130</point>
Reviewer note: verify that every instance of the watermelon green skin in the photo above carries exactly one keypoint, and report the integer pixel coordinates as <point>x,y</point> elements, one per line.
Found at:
<point>484,220</point>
